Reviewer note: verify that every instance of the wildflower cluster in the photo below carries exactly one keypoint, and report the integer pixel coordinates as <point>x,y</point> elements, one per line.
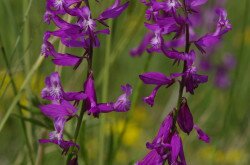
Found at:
<point>176,19</point>
<point>81,32</point>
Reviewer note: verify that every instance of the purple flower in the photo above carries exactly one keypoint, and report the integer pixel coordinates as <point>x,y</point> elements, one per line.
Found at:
<point>163,134</point>
<point>223,25</point>
<point>151,98</point>
<point>59,6</point>
<point>155,78</point>
<point>202,135</point>
<point>158,79</point>
<point>173,5</point>
<point>180,56</point>
<point>122,104</point>
<point>193,4</point>
<point>206,42</point>
<point>59,123</point>
<point>53,90</point>
<point>210,40</point>
<point>185,118</point>
<point>167,146</point>
<point>80,33</point>
<point>160,28</point>
<point>89,89</point>
<point>175,146</point>
<point>56,136</point>
<point>62,110</point>
<point>192,79</point>
<point>177,153</point>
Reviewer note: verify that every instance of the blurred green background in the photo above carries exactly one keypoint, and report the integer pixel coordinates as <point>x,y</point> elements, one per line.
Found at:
<point>223,114</point>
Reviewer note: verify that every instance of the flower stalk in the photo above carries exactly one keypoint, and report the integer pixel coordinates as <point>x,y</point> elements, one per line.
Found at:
<point>81,33</point>
<point>182,85</point>
<point>166,18</point>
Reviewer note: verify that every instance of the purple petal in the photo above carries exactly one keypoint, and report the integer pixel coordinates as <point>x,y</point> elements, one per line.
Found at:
<point>123,103</point>
<point>206,41</point>
<point>202,135</point>
<point>176,146</point>
<point>113,12</point>
<point>106,107</point>
<point>89,90</point>
<point>198,2</point>
<point>143,45</point>
<point>192,79</point>
<point>66,60</point>
<point>53,89</point>
<point>151,98</point>
<point>155,78</point>
<point>64,145</point>
<point>152,158</point>
<point>59,124</point>
<point>181,155</point>
<point>163,133</point>
<point>58,110</point>
<point>74,96</point>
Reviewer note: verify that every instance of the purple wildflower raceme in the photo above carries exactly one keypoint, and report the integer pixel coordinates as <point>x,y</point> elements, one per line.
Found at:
<point>165,18</point>
<point>81,32</point>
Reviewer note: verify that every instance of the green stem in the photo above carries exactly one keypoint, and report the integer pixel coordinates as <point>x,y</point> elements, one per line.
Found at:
<point>26,66</point>
<point>187,48</point>
<point>40,152</point>
<point>21,30</point>
<point>83,109</point>
<point>79,123</point>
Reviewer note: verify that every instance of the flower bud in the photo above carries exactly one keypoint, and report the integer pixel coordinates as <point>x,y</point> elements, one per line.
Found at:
<point>185,118</point>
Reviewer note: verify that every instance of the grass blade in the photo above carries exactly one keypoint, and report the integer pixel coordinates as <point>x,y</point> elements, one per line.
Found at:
<point>20,91</point>
<point>33,121</point>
